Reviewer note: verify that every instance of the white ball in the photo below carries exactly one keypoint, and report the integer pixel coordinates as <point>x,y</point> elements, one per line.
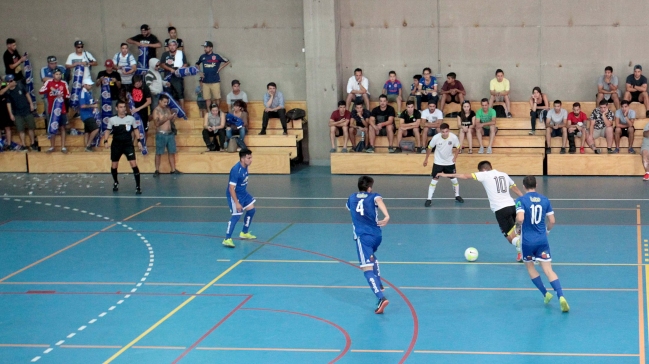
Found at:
<point>471,254</point>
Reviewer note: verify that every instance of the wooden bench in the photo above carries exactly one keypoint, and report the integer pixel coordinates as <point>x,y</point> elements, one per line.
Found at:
<point>622,164</point>
<point>13,162</point>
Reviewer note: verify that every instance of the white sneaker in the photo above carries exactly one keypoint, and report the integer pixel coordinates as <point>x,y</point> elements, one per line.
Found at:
<point>489,150</point>
<point>481,151</point>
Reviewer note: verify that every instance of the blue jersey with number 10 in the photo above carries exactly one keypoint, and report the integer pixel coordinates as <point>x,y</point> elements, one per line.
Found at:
<point>362,206</point>
<point>536,207</point>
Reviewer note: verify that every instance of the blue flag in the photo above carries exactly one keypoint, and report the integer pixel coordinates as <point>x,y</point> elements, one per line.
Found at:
<point>101,125</point>
<point>139,124</point>
<point>139,71</point>
<point>29,80</point>
<point>186,71</point>
<point>173,105</point>
<point>57,109</point>
<point>77,85</point>
<point>143,57</point>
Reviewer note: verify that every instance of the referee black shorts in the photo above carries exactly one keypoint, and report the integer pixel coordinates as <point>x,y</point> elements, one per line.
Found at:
<point>506,218</point>
<point>437,169</point>
<point>118,148</point>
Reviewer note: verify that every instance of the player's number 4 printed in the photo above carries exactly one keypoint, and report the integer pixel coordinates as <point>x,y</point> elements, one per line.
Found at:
<point>359,207</point>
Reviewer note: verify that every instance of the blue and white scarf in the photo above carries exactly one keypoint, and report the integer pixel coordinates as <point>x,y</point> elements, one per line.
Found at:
<point>173,105</point>
<point>77,85</point>
<point>53,124</point>
<point>139,124</point>
<point>139,71</point>
<point>143,57</point>
<point>183,72</point>
<point>29,80</point>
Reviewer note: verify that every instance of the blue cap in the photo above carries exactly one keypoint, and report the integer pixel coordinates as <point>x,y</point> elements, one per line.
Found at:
<point>9,78</point>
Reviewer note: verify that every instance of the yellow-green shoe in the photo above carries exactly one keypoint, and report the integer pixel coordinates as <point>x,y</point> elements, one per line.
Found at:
<point>564,304</point>
<point>548,297</point>
<point>228,243</point>
<point>247,235</point>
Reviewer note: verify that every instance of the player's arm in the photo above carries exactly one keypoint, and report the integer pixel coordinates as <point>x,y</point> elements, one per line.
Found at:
<point>516,190</point>
<point>456,175</point>
<point>233,194</point>
<point>520,217</point>
<point>384,210</point>
<point>550,222</point>
<point>428,150</point>
<point>456,151</point>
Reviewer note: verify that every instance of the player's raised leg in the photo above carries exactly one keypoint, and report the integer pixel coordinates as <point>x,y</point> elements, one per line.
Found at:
<point>555,283</point>
<point>536,279</point>
<point>365,246</point>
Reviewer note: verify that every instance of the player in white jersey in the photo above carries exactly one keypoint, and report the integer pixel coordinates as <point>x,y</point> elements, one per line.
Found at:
<point>447,146</point>
<point>497,185</point>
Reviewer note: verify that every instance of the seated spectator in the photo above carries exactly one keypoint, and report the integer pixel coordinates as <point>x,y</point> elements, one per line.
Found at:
<point>487,118</point>
<point>577,121</point>
<point>607,87</point>
<point>409,127</point>
<point>555,126</point>
<point>624,120</point>
<point>47,73</point>
<point>173,35</point>
<point>273,107</point>
<point>200,101</point>
<point>644,150</point>
<point>427,88</point>
<point>358,89</point>
<point>115,82</point>
<point>499,89</point>
<point>236,94</point>
<point>87,107</point>
<point>432,118</point>
<point>414,88</point>
<point>52,89</point>
<point>539,106</point>
<point>339,125</point>
<point>452,91</point>
<point>636,88</point>
<point>359,123</point>
<point>601,126</point>
<point>164,138</point>
<point>20,107</point>
<point>466,125</point>
<point>392,88</point>
<point>122,60</point>
<point>382,123</point>
<point>236,123</point>
<point>214,129</point>
<point>146,39</point>
<point>170,62</point>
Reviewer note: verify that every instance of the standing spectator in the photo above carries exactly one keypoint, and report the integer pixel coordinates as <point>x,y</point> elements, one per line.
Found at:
<point>358,89</point>
<point>361,123</point>
<point>607,87</point>
<point>170,62</point>
<point>382,123</point>
<point>81,57</point>
<point>499,89</point>
<point>539,106</point>
<point>236,94</point>
<point>466,125</point>
<point>487,118</point>
<point>173,34</point>
<point>636,88</point>
<point>164,138</point>
<point>87,108</point>
<point>146,39</point>
<point>114,82</point>
<point>14,61</point>
<point>624,120</point>
<point>556,127</point>
<point>125,59</point>
<point>53,89</point>
<point>452,91</point>
<point>141,100</point>
<point>212,64</point>
<point>47,73</point>
<point>236,123</point>
<point>433,119</point>
<point>154,82</point>
<point>273,108</point>
<point>200,101</point>
<point>427,88</point>
<point>577,127</point>
<point>410,120</point>
<point>214,129</point>
<point>20,108</point>
<point>392,88</point>
<point>5,120</point>
<point>601,126</point>
<point>339,125</point>
<point>644,150</point>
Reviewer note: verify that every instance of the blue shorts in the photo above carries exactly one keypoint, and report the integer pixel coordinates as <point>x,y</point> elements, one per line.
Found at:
<point>536,252</point>
<point>366,246</point>
<point>245,201</point>
<point>163,141</point>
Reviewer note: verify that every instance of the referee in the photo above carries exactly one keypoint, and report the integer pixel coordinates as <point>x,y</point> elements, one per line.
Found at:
<point>122,126</point>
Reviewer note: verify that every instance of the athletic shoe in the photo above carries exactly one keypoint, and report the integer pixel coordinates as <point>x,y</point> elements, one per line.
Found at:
<point>228,243</point>
<point>597,151</point>
<point>138,191</point>
<point>509,115</point>
<point>519,257</point>
<point>572,150</point>
<point>647,114</point>
<point>617,150</point>
<point>481,151</point>
<point>285,132</point>
<point>50,150</point>
<point>489,150</point>
<point>563,151</point>
<point>156,173</point>
<point>582,150</point>
<point>423,150</point>
<point>176,172</point>
<point>548,151</point>
<point>383,303</point>
<point>428,203</point>
<point>247,235</point>
<point>564,304</point>
<point>646,176</point>
<point>532,132</point>
<point>390,150</point>
<point>263,132</point>
<point>460,152</point>
<point>382,288</point>
<point>548,297</point>
<point>115,187</point>
<point>610,150</point>
<point>344,150</point>
<point>459,199</point>
<point>332,150</point>
<point>631,151</point>
<point>369,150</point>
<point>64,150</point>
<point>88,149</point>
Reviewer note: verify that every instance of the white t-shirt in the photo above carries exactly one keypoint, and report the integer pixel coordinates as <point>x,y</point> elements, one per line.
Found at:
<point>555,118</point>
<point>122,61</point>
<point>84,57</point>
<point>431,118</point>
<point>352,84</point>
<point>444,148</point>
<point>497,185</point>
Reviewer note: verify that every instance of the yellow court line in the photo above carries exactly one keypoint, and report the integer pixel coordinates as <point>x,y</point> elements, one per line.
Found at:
<point>641,307</point>
<point>145,333</point>
<point>520,353</point>
<point>141,212</point>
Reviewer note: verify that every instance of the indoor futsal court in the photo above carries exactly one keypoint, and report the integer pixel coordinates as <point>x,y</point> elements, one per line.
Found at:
<point>88,276</point>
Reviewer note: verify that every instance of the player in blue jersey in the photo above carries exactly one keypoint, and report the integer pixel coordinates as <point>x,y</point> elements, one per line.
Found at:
<point>367,233</point>
<point>239,199</point>
<point>531,212</point>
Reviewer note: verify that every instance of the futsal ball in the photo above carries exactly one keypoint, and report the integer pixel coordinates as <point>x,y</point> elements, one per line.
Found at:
<point>471,254</point>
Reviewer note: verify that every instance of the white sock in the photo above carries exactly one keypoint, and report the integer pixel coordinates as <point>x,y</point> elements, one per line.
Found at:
<point>515,243</point>
<point>456,186</point>
<point>431,189</point>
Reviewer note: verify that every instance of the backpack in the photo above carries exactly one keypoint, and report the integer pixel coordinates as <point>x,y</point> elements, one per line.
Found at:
<point>232,147</point>
<point>128,57</point>
<point>407,146</point>
<point>295,114</point>
<point>500,111</point>
<point>453,114</point>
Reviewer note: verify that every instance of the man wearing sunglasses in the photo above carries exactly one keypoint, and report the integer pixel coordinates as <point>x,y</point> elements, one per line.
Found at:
<point>81,57</point>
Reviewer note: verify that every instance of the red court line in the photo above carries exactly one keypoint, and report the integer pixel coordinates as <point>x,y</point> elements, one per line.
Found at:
<point>5,222</point>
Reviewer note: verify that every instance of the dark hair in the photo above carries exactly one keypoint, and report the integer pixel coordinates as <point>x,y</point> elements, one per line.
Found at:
<point>244,152</point>
<point>358,103</point>
<point>11,41</point>
<point>242,104</point>
<point>426,69</point>
<point>529,182</point>
<point>271,84</point>
<point>537,88</point>
<point>452,74</point>
<point>123,44</point>
<point>417,77</point>
<point>410,102</point>
<point>170,29</point>
<point>499,71</point>
<point>608,68</point>
<point>214,105</point>
<point>163,97</point>
<point>120,102</point>
<point>358,70</point>
<point>443,126</point>
<point>603,102</point>
<point>557,102</point>
<point>625,102</point>
<point>463,116</point>
<point>576,104</point>
<point>392,73</point>
<point>484,100</point>
<point>342,103</point>
<point>383,96</point>
<point>137,78</point>
<point>364,183</point>
<point>483,164</point>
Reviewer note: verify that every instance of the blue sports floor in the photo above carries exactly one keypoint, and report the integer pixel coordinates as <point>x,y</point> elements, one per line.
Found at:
<point>88,276</point>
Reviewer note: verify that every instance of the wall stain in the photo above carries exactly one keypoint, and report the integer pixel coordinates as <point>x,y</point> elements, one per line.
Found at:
<point>570,22</point>
<point>616,24</point>
<point>405,23</point>
<point>351,23</point>
<point>385,24</point>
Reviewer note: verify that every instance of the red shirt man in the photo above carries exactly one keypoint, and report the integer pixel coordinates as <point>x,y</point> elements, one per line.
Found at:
<point>54,88</point>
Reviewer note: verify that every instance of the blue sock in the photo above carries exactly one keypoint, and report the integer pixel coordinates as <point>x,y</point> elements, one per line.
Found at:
<point>377,272</point>
<point>247,220</point>
<point>231,224</point>
<point>557,287</point>
<point>539,284</point>
<point>372,280</point>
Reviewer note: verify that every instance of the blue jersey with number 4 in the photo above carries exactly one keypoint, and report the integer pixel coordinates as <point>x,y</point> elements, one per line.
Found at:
<point>362,206</point>
<point>536,207</point>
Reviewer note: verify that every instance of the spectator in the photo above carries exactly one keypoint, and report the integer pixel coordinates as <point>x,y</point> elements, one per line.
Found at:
<point>539,107</point>
<point>577,127</point>
<point>636,88</point>
<point>200,101</point>
<point>115,83</point>
<point>607,87</point>
<point>53,89</point>
<point>125,59</point>
<point>164,138</point>
<point>273,107</point>
<point>154,82</point>
<point>410,120</point>
<point>236,123</point>
<point>81,57</point>
<point>5,120</point>
<point>427,88</point>
<point>361,117</point>
<point>87,110</point>
<point>555,126</point>
<point>601,126</point>
<point>212,65</point>
<point>20,108</point>
<point>392,88</point>
<point>433,118</point>
<point>487,118</point>
<point>358,89</point>
<point>170,62</point>
<point>414,89</point>
<point>214,129</point>
<point>644,150</point>
<point>47,73</point>
<point>173,34</point>
<point>499,89</point>
<point>339,125</point>
<point>452,91</point>
<point>236,94</point>
<point>14,61</point>
<point>146,39</point>
<point>382,123</point>
<point>141,100</point>
<point>624,120</point>
<point>466,125</point>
